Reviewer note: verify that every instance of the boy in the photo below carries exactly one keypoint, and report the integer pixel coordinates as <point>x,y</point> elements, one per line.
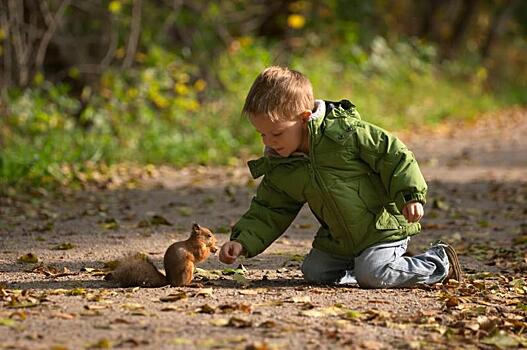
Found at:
<point>361,183</point>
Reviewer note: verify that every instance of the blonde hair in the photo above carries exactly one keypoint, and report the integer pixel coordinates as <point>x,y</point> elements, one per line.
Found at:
<point>280,94</point>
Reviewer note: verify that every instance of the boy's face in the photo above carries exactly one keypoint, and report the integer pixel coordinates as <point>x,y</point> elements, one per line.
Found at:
<point>284,137</point>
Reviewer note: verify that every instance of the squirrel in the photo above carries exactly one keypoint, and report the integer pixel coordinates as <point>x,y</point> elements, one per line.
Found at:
<point>137,269</point>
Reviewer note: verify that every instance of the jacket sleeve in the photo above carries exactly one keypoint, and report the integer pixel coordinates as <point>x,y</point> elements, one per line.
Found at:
<point>394,162</point>
<point>270,214</point>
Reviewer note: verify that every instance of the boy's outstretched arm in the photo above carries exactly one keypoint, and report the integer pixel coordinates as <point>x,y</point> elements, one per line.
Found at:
<point>270,214</point>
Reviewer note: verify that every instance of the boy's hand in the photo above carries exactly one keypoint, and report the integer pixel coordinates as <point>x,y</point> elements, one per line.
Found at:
<point>230,251</point>
<point>413,211</point>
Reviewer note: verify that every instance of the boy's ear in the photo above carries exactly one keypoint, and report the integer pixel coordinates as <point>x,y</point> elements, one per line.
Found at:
<point>305,115</point>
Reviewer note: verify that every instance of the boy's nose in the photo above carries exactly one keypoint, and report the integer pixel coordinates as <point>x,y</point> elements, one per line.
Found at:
<point>267,141</point>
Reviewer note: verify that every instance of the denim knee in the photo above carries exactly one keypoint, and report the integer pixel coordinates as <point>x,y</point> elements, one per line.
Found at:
<point>316,269</point>
<point>313,272</point>
<point>369,276</point>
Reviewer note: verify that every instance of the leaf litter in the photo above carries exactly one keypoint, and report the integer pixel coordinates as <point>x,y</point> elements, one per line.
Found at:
<point>262,304</point>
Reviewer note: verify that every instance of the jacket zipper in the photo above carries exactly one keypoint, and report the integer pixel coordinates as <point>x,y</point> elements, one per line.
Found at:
<point>328,199</point>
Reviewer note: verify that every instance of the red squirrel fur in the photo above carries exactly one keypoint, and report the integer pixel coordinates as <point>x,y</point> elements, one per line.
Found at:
<point>138,270</point>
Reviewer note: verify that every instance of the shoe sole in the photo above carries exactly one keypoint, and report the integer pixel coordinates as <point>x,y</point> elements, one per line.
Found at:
<point>454,263</point>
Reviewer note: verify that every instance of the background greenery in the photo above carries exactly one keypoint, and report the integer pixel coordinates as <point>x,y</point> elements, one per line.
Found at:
<point>86,84</point>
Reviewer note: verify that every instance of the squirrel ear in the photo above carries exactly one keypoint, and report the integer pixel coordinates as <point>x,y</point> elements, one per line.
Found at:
<point>195,227</point>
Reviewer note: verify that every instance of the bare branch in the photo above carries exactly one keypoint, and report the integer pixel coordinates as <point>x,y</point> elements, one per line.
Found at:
<point>112,46</point>
<point>52,27</point>
<point>15,25</point>
<point>135,31</point>
<point>46,13</point>
<point>7,56</point>
<point>496,26</point>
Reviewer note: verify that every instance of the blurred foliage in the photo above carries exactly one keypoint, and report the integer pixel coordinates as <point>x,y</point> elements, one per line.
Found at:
<point>163,81</point>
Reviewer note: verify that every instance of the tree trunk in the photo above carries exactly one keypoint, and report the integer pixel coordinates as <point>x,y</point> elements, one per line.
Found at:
<point>461,26</point>
<point>428,24</point>
<point>496,27</point>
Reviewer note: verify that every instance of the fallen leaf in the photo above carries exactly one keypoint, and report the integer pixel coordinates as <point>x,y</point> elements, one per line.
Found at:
<point>102,344</point>
<point>219,322</point>
<point>267,324</point>
<point>352,315</point>
<point>154,220</point>
<point>181,341</point>
<point>203,292</point>
<point>249,291</point>
<point>21,315</point>
<point>199,272</point>
<point>226,308</point>
<point>76,291</point>
<point>257,346</point>
<point>110,224</point>
<point>169,308</point>
<point>239,323</point>
<point>241,279</point>
<point>122,321</point>
<point>131,343</point>
<point>58,347</point>
<point>159,220</point>
<point>322,312</point>
<point>300,299</point>
<point>133,306</point>
<point>30,302</point>
<point>96,307</point>
<point>371,345</point>
<point>297,257</point>
<point>29,258</point>
<point>174,297</point>
<point>7,322</point>
<point>230,271</point>
<point>63,315</point>
<point>520,239</point>
<point>64,246</point>
<point>205,309</point>
<point>502,340</point>
<point>452,301</point>
<point>185,211</point>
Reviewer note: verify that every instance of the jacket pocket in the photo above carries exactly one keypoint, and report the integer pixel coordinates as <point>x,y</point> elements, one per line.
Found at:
<point>386,221</point>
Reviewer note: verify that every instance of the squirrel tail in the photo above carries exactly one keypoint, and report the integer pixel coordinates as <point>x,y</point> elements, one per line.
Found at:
<point>137,270</point>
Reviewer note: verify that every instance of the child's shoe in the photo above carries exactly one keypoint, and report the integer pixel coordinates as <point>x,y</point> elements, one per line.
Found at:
<point>454,270</point>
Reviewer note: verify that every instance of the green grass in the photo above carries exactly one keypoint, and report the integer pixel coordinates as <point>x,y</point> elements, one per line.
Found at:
<point>141,119</point>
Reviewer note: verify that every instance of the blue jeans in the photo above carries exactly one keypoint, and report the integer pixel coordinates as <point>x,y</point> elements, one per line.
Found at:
<point>379,266</point>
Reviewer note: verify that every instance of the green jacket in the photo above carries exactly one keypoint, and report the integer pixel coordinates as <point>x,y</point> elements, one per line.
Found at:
<point>356,181</point>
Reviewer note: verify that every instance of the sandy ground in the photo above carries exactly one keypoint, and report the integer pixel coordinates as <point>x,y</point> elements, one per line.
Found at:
<point>477,175</point>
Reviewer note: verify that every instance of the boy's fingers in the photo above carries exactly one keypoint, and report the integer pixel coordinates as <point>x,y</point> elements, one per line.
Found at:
<point>231,253</point>
<point>228,254</point>
<point>226,259</point>
<point>413,212</point>
<point>408,214</point>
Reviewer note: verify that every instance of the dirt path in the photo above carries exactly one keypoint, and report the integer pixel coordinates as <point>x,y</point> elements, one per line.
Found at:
<point>478,189</point>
